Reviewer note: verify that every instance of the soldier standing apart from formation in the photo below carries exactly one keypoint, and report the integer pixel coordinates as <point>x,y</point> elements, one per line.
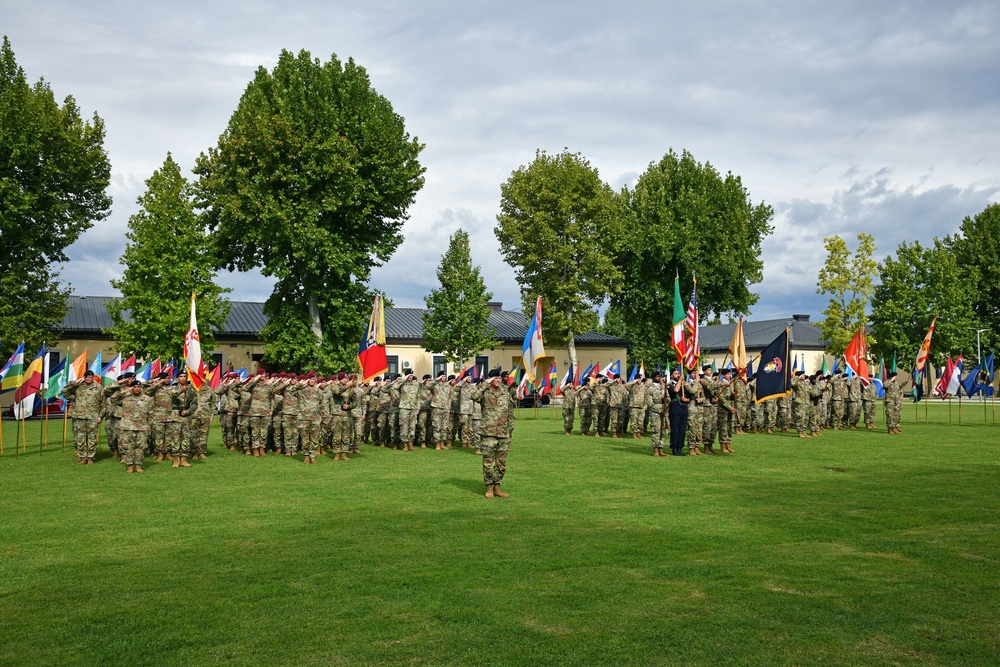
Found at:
<point>498,413</point>
<point>133,427</point>
<point>695,420</point>
<point>568,406</point>
<point>86,398</point>
<point>893,407</point>
<point>868,397</point>
<point>677,412</point>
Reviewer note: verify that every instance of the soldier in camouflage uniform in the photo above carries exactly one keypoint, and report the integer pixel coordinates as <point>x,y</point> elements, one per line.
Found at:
<point>393,412</point>
<point>477,421</point>
<point>601,407</point>
<point>838,396</point>
<point>744,420</point>
<point>726,410</point>
<point>569,392</point>
<point>464,390</point>
<point>893,403</point>
<point>86,402</point>
<point>770,414</point>
<point>695,418</point>
<point>371,415</point>
<point>584,396</point>
<point>409,407</point>
<point>359,413</point>
<point>440,410</point>
<point>277,411</point>
<point>425,433</point>
<point>166,422</point>
<point>617,406</point>
<point>312,407</point>
<point>261,393</point>
<point>710,409</point>
<point>654,406</point>
<point>286,436</point>
<point>243,398</point>
<point>498,413</point>
<point>200,422</point>
<point>817,390</point>
<point>133,427</point>
<point>113,412</point>
<point>853,404</point>
<point>183,402</point>
<point>637,404</point>
<point>341,424</point>
<point>801,403</point>
<point>784,421</point>
<point>868,397</point>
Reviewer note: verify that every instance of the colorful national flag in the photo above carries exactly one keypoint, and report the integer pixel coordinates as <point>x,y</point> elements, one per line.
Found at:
<point>856,355</point>
<point>97,366</point>
<point>693,351</point>
<point>635,371</point>
<point>971,383</point>
<point>677,339</point>
<point>11,375</point>
<point>584,376</point>
<point>128,366</point>
<point>58,378</point>
<point>215,377</point>
<point>612,369</point>
<point>533,348</point>
<point>371,351</point>
<point>549,380</point>
<point>774,375</point>
<point>943,388</point>
<point>78,368</point>
<point>144,373</point>
<point>925,348</point>
<point>111,372</point>
<point>24,396</point>
<point>193,361</point>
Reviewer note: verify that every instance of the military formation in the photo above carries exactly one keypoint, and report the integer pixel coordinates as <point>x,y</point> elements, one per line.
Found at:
<point>705,408</point>
<point>294,414</point>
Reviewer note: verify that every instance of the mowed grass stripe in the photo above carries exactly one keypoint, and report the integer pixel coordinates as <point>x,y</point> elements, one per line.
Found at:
<point>853,548</point>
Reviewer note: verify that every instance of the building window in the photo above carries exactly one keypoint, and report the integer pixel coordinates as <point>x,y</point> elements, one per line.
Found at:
<point>482,366</point>
<point>217,359</point>
<point>438,365</point>
<point>393,363</point>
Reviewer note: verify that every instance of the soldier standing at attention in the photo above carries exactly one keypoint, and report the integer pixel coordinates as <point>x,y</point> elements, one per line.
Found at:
<point>726,410</point>
<point>408,410</point>
<point>601,409</point>
<point>817,390</point>
<point>569,392</point>
<point>893,404</point>
<point>695,407</point>
<point>710,418</point>
<point>165,424</point>
<point>838,396</point>
<point>424,395</point>
<point>261,397</point>
<point>498,413</point>
<point>341,424</point>
<point>183,401</point>
<point>200,421</point>
<point>134,425</point>
<point>637,391</point>
<point>617,405</point>
<point>868,397</point>
<point>86,399</point>
<point>440,410</point>
<point>800,402</point>
<point>678,414</point>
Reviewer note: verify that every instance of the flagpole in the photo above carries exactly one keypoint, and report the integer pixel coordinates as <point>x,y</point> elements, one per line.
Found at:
<point>927,396</point>
<point>1,432</point>
<point>65,409</point>
<point>960,405</point>
<point>41,430</point>
<point>24,429</point>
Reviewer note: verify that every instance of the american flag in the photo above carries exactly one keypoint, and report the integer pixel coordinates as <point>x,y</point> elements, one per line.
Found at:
<point>693,351</point>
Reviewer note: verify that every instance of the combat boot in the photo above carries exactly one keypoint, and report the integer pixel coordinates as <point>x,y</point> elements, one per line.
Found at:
<point>184,462</point>
<point>498,493</point>
<point>176,460</point>
<point>709,450</point>
<point>138,469</point>
<point>694,451</point>
<point>802,434</point>
<point>489,491</point>
<point>130,469</point>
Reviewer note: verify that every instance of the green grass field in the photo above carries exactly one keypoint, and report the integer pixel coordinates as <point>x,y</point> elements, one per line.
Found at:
<point>856,548</point>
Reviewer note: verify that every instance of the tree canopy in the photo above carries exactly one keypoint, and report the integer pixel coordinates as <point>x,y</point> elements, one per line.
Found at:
<point>54,174</point>
<point>457,324</point>
<point>850,282</point>
<point>560,227</point>
<point>168,257</point>
<point>977,246</point>
<point>311,182</point>
<point>686,220</point>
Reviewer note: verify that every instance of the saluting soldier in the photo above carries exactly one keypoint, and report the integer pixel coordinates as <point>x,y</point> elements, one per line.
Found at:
<point>183,398</point>
<point>695,408</point>
<point>134,424</point>
<point>893,407</point>
<point>86,402</point>
<point>637,392</point>
<point>868,397</point>
<point>409,407</point>
<point>710,417</point>
<point>569,392</point>
<point>498,412</point>
<point>726,410</point>
<point>441,410</point>
<point>584,396</point>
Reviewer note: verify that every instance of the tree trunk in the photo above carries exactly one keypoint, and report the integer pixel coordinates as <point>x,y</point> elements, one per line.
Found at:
<point>315,325</point>
<point>571,348</point>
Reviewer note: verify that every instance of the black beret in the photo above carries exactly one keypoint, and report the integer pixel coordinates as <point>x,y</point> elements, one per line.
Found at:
<point>451,377</point>
<point>89,373</point>
<point>494,372</point>
<point>427,376</point>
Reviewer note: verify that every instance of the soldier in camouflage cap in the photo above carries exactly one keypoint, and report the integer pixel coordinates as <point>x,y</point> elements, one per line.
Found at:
<point>86,401</point>
<point>498,414</point>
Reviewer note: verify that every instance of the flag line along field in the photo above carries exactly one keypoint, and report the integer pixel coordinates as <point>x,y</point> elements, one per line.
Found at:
<point>853,548</point>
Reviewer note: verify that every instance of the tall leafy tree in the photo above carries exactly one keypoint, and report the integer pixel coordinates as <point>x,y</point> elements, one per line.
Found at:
<point>560,226</point>
<point>977,247</point>
<point>689,220</point>
<point>54,174</point>
<point>457,324</point>
<point>168,256</point>
<point>921,282</point>
<point>850,282</point>
<point>311,182</point>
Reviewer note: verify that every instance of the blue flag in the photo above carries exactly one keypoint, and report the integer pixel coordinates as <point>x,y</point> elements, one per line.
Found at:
<point>774,373</point>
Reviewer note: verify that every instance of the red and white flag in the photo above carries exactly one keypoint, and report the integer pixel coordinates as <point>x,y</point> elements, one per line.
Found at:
<point>192,352</point>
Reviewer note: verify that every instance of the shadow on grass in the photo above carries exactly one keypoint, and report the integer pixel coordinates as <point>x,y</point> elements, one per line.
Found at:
<point>471,485</point>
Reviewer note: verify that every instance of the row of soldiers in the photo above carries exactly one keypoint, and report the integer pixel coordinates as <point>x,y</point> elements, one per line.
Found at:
<point>719,406</point>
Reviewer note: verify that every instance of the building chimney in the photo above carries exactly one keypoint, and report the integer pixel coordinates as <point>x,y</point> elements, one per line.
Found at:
<point>800,318</point>
<point>495,306</point>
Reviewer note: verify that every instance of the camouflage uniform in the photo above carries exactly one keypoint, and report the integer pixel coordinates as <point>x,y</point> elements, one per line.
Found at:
<point>868,397</point>
<point>601,408</point>
<point>710,416</point>
<point>359,414</point>
<point>741,394</point>
<point>277,414</point>
<point>695,418</point>
<point>816,393</point>
<point>637,391</point>
<point>569,392</point>
<point>617,407</point>
<point>854,401</point>
<point>242,416</point>
<point>726,412</point>
<point>440,410</point>
<point>111,413</point>
<point>261,394</point>
<point>477,424</point>
<point>654,406</point>
<point>425,434</point>
<point>838,396</point>
<point>312,407</point>
<point>770,414</point>
<point>86,402</point>
<point>584,395</point>
<point>133,427</point>
<point>409,407</point>
<point>785,421</point>
<point>498,414</point>
<point>290,417</point>
<point>201,420</point>
<point>801,403</point>
<point>184,402</point>
<point>464,435</point>
<point>371,415</point>
<point>893,404</point>
<point>392,407</point>
<point>164,415</point>
<point>341,424</point>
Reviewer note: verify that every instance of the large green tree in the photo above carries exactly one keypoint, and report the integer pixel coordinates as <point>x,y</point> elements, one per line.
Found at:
<point>311,182</point>
<point>916,285</point>
<point>168,257</point>
<point>457,324</point>
<point>54,174</point>
<point>977,247</point>
<point>689,220</point>
<point>560,227</point>
<point>850,282</point>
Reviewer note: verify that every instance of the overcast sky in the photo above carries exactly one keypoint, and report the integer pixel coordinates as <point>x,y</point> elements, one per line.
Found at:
<point>881,117</point>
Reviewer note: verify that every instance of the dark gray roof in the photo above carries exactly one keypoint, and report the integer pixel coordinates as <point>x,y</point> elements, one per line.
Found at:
<point>88,317</point>
<point>760,334</point>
